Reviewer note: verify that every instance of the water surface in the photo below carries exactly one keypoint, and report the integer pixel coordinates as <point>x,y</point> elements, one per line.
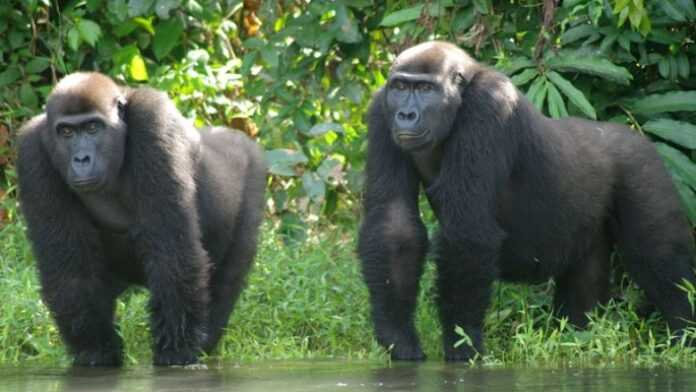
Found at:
<point>345,376</point>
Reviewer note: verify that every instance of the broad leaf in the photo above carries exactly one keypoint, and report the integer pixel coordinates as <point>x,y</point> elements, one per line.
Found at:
<point>137,68</point>
<point>320,129</point>
<point>592,65</point>
<point>679,132</point>
<point>524,77</point>
<point>574,95</point>
<point>557,108</point>
<point>680,164</point>
<point>89,31</point>
<point>282,161</point>
<point>676,101</point>
<point>313,186</point>
<point>167,36</point>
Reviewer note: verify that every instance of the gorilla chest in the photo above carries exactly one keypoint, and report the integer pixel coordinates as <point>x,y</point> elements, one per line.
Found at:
<point>108,212</point>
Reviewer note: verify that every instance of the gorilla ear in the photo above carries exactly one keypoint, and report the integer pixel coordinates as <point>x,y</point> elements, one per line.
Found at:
<point>460,80</point>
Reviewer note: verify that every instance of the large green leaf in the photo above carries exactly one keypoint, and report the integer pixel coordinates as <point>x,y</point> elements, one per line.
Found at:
<point>89,31</point>
<point>167,36</point>
<point>322,128</point>
<point>592,65</point>
<point>282,161</point>
<point>679,132</point>
<point>412,13</point>
<point>689,198</point>
<point>515,65</point>
<point>676,101</point>
<point>680,164</point>
<point>557,108</point>
<point>524,77</point>
<point>574,95</point>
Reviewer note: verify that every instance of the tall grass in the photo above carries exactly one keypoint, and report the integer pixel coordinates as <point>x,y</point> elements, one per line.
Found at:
<point>308,301</point>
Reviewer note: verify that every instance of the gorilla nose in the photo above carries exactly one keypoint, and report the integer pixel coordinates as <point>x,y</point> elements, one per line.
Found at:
<point>81,159</point>
<point>405,119</point>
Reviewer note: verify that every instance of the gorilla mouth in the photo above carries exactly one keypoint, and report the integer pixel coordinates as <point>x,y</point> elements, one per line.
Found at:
<point>91,184</point>
<point>413,140</point>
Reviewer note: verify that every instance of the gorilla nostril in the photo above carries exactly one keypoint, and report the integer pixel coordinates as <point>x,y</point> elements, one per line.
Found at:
<point>410,116</point>
<point>83,159</point>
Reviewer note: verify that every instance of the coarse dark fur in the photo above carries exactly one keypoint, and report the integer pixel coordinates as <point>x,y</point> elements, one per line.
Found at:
<point>174,210</point>
<point>518,196</point>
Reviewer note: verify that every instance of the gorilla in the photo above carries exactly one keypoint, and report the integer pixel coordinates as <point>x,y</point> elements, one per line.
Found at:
<point>117,189</point>
<point>518,197</point>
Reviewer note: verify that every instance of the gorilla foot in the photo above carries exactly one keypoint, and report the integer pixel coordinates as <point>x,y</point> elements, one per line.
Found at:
<point>175,358</point>
<point>98,359</point>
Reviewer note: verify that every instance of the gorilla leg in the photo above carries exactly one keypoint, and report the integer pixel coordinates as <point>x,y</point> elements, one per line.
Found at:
<point>392,251</point>
<point>228,278</point>
<point>465,275</point>
<point>583,285</point>
<point>83,308</point>
<point>655,239</point>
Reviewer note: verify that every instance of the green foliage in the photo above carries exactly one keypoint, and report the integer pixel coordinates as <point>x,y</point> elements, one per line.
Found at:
<point>299,74</point>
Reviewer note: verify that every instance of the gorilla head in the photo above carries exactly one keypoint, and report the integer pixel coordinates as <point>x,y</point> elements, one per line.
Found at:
<point>86,132</point>
<point>423,93</point>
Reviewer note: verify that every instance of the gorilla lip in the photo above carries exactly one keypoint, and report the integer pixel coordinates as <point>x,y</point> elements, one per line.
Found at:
<point>407,136</point>
<point>413,141</point>
<point>86,185</point>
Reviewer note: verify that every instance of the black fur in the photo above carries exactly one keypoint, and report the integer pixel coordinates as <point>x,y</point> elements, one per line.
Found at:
<point>518,197</point>
<point>181,217</point>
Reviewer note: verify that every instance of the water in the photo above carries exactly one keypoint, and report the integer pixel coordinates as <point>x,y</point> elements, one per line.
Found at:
<point>346,376</point>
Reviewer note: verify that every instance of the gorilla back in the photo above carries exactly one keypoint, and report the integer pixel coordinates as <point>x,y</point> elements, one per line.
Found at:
<point>118,189</point>
<point>518,196</point>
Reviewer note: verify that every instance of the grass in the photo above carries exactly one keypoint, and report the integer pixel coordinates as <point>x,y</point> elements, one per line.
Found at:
<point>308,301</point>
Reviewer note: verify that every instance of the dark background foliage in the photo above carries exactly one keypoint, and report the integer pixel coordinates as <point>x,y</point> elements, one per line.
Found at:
<point>297,75</point>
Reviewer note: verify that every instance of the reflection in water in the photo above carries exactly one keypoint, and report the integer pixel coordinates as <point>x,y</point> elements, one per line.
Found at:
<point>347,376</point>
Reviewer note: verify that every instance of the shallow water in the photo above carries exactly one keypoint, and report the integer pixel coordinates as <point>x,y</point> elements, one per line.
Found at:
<point>345,376</point>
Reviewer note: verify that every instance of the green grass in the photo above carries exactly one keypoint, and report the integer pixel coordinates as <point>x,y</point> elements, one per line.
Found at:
<point>309,301</point>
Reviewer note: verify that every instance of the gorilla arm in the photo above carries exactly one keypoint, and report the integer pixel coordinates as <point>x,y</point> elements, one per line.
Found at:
<point>68,252</point>
<point>392,240</point>
<point>161,167</point>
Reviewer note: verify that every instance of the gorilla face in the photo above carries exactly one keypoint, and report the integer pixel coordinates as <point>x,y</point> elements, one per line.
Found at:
<point>422,96</point>
<point>87,137</point>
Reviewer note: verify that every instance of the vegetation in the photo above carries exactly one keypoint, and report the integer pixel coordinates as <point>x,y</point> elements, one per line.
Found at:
<point>297,75</point>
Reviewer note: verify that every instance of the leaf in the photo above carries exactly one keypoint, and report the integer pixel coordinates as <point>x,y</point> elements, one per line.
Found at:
<point>137,68</point>
<point>679,163</point>
<point>683,63</point>
<point>346,26</point>
<point>167,36</point>
<point>534,88</point>
<point>592,65</point>
<point>28,96</point>
<point>663,67</point>
<point>330,171</point>
<point>574,95</point>
<point>320,129</point>
<point>139,7</point>
<point>524,77</point>
<point>557,107</point>
<point>540,96</point>
<point>37,65</point>
<point>73,38</point>
<point>89,31</point>
<point>672,11</point>
<point>515,65</point>
<point>677,101</point>
<point>688,198</point>
<point>282,161</point>
<point>578,32</point>
<point>402,16</point>
<point>10,75</point>
<point>313,186</point>
<point>679,132</point>
<point>163,7</point>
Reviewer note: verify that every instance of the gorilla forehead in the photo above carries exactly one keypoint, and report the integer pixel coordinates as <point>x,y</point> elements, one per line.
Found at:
<point>433,58</point>
<point>83,92</point>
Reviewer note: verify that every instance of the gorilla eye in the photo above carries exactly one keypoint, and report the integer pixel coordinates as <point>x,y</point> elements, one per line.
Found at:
<point>425,87</point>
<point>65,131</point>
<point>399,85</point>
<point>92,127</point>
